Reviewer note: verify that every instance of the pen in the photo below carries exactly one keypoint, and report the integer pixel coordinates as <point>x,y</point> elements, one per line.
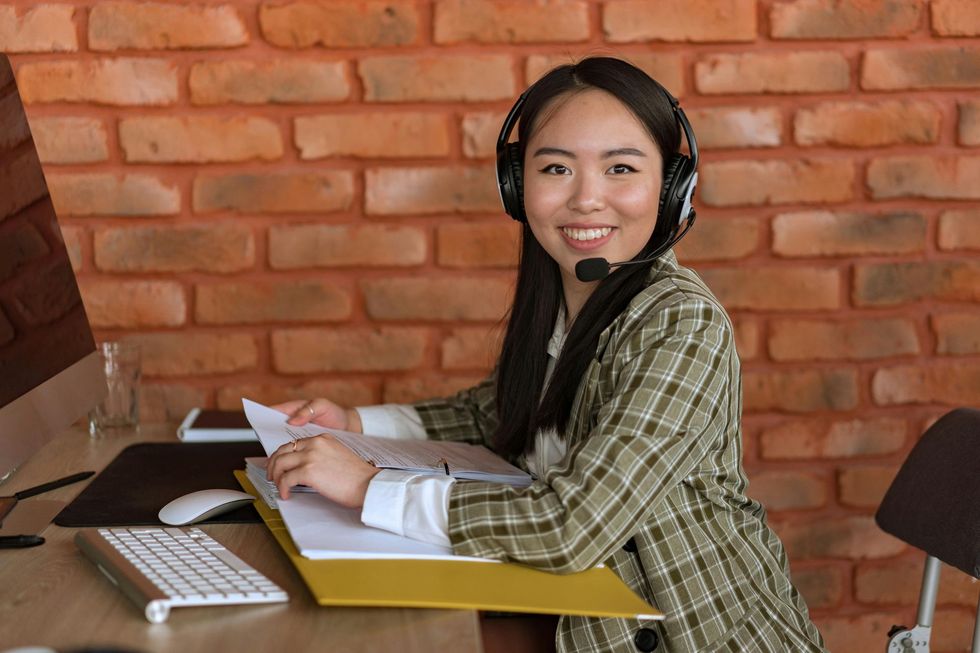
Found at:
<point>61,482</point>
<point>445,465</point>
<point>20,541</point>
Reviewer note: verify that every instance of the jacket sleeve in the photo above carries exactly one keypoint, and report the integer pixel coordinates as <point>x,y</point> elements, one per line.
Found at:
<point>673,375</point>
<point>469,416</point>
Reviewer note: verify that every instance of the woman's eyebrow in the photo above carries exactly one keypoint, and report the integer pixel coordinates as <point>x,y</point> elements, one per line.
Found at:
<point>554,150</point>
<point>629,151</point>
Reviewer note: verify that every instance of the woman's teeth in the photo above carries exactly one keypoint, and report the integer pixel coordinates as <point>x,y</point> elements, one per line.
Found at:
<point>586,234</point>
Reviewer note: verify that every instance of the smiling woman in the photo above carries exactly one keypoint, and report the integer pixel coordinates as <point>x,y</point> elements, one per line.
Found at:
<point>622,395</point>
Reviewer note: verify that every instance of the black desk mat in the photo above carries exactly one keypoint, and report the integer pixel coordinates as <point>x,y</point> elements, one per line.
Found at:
<point>145,477</point>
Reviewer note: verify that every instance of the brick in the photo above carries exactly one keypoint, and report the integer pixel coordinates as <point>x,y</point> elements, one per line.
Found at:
<point>196,354</point>
<point>736,127</point>
<point>825,233</point>
<point>73,237</point>
<point>956,333</point>
<point>864,632</point>
<point>373,135</point>
<point>281,81</point>
<point>968,129</point>
<point>864,487</point>
<point>164,26</point>
<point>403,391</point>
<point>747,332</point>
<point>868,124</point>
<point>22,182</point>
<point>478,244</point>
<point>952,628</point>
<point>959,229</point>
<point>894,582</point>
<point>471,348</point>
<point>21,244</point>
<point>849,19</point>
<point>14,128</point>
<point>821,438</point>
<point>346,393</point>
<point>821,587</point>
<point>955,17</point>
<point>133,304</point>
<point>435,78</point>
<point>63,139</point>
<point>756,183</point>
<point>475,299</point>
<point>896,70</point>
<point>861,339</point>
<point>199,139</point>
<point>947,384</point>
<point>510,21</point>
<point>298,351</point>
<point>169,403</point>
<point>854,538</point>
<point>324,191</point>
<point>254,302</point>
<point>43,28</point>
<point>800,391</point>
<point>782,72</point>
<point>701,21</point>
<point>340,23</point>
<point>949,177</point>
<point>479,134</point>
<point>775,288</point>
<point>723,239</point>
<point>213,247</point>
<point>120,82</point>
<point>666,68</point>
<point>413,191</point>
<point>887,284</point>
<point>81,194</point>
<point>784,490</point>
<point>327,246</point>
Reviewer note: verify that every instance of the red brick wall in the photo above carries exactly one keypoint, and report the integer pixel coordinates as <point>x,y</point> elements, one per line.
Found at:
<point>283,198</point>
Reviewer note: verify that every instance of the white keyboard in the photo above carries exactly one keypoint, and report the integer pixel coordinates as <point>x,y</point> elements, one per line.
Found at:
<point>162,568</point>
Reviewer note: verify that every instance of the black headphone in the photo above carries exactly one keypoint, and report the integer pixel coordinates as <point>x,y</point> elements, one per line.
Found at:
<point>676,193</point>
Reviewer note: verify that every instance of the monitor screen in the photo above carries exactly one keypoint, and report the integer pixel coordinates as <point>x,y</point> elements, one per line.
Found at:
<point>49,372</point>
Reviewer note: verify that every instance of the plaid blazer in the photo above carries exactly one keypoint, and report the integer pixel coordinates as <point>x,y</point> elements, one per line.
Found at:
<point>652,486</point>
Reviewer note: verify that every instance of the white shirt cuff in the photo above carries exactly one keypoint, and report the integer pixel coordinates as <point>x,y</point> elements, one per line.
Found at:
<point>392,421</point>
<point>409,504</point>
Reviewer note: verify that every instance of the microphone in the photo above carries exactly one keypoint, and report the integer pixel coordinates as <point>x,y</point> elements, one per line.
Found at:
<point>596,269</point>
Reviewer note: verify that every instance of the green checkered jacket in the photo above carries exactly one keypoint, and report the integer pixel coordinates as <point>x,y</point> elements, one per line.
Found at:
<point>653,464</point>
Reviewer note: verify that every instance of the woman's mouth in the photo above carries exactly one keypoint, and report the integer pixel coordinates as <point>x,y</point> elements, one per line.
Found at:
<point>586,239</point>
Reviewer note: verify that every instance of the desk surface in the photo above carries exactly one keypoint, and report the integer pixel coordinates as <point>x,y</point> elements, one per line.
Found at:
<point>52,596</point>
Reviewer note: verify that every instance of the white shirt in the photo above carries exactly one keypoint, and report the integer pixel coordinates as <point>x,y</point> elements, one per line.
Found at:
<point>417,505</point>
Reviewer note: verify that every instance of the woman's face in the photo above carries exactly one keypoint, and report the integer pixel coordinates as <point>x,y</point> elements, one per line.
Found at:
<point>592,177</point>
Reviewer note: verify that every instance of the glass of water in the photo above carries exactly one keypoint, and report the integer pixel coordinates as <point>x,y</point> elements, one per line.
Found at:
<point>119,411</point>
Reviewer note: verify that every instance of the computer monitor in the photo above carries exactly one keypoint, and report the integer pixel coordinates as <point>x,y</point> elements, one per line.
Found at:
<point>50,374</point>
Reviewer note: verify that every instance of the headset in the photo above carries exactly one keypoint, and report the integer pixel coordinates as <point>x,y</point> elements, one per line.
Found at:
<point>676,193</point>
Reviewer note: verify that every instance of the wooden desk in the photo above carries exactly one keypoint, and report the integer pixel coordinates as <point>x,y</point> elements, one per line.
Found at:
<point>52,596</point>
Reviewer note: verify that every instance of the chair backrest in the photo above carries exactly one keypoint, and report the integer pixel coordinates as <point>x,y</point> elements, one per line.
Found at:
<point>934,501</point>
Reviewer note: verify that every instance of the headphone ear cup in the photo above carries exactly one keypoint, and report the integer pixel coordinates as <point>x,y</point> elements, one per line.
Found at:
<point>677,176</point>
<point>512,188</point>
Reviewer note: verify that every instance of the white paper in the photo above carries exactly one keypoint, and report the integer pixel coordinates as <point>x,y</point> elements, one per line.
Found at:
<point>321,529</point>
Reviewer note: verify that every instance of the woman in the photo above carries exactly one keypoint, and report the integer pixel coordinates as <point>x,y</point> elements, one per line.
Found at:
<point>622,395</point>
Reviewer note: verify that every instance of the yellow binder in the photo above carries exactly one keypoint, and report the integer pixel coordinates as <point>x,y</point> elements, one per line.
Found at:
<point>456,584</point>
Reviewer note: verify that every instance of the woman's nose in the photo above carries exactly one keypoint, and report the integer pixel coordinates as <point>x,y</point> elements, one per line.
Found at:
<point>587,195</point>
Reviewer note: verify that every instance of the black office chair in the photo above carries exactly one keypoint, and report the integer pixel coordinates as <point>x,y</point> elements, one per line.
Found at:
<point>934,505</point>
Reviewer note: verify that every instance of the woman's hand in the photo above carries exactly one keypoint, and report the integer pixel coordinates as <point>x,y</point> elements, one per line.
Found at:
<point>321,412</point>
<point>325,465</point>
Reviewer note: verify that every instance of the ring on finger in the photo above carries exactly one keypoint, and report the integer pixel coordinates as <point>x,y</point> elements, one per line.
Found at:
<point>309,407</point>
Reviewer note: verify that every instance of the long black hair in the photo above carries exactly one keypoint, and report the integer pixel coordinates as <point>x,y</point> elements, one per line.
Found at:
<point>523,360</point>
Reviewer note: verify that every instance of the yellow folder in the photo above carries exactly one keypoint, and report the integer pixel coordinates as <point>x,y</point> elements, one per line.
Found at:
<point>456,584</point>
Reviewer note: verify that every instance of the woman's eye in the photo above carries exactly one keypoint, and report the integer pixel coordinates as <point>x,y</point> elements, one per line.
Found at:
<point>556,169</point>
<point>621,169</point>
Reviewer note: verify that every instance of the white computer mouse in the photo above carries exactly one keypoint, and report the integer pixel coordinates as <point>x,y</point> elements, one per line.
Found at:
<point>198,506</point>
